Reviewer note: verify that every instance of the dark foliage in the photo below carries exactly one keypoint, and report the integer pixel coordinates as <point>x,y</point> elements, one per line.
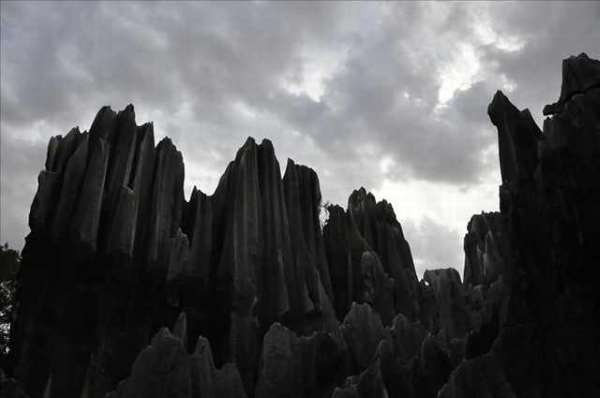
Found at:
<point>9,266</point>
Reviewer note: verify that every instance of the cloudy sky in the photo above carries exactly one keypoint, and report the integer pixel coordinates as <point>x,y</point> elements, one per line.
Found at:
<point>389,96</point>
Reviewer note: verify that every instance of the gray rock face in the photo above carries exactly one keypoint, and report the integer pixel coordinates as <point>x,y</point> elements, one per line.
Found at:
<point>376,222</point>
<point>293,366</point>
<point>340,236</point>
<point>486,249</point>
<point>450,301</point>
<point>277,305</point>
<point>303,202</point>
<point>363,330</point>
<point>161,370</point>
<point>487,254</point>
<point>164,369</point>
<point>377,288</point>
<point>370,261</point>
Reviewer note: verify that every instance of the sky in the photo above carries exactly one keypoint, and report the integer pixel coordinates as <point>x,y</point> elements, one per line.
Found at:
<point>389,96</point>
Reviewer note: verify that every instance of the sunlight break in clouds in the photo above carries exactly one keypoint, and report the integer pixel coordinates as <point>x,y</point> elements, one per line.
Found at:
<point>445,207</point>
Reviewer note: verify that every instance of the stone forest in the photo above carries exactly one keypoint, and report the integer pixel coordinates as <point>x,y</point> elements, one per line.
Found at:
<point>128,290</point>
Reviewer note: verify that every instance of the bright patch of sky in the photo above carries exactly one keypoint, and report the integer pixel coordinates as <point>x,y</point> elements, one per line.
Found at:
<point>314,69</point>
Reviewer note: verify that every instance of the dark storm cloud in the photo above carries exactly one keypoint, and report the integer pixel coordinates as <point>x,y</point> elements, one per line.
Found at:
<point>338,86</point>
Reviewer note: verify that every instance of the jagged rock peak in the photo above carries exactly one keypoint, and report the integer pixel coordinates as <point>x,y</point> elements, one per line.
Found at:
<point>518,137</point>
<point>579,74</point>
<point>361,196</point>
<point>361,201</point>
<point>250,144</point>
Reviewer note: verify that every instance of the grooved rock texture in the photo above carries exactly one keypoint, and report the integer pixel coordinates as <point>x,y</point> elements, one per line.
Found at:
<point>267,302</point>
<point>449,297</point>
<point>486,249</point>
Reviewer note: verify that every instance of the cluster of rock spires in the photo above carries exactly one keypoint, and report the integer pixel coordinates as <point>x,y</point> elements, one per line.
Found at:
<point>266,303</point>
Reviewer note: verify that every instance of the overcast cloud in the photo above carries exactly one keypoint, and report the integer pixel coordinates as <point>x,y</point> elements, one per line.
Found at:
<point>389,96</point>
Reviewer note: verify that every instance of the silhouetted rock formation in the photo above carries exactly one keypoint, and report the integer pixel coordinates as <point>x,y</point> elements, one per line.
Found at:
<point>580,75</point>
<point>377,223</point>
<point>550,202</point>
<point>369,258</point>
<point>277,306</point>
